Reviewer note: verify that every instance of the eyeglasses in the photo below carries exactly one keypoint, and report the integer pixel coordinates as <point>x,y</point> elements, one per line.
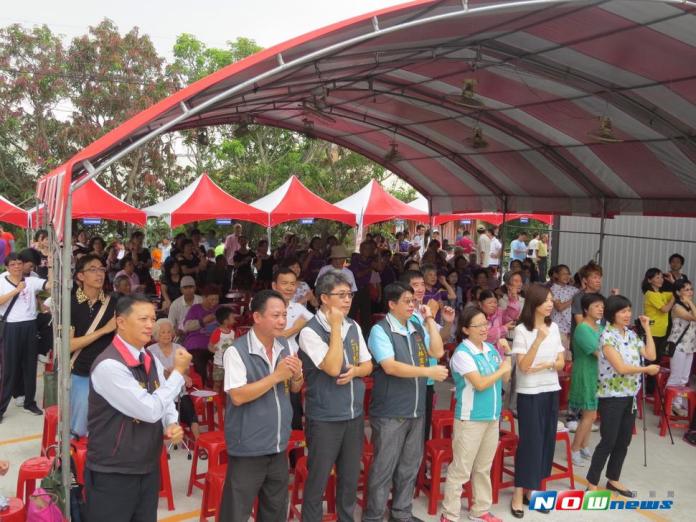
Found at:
<point>482,325</point>
<point>95,270</point>
<point>407,302</point>
<point>344,295</point>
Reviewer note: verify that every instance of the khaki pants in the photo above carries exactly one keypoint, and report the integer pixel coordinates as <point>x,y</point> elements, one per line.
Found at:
<point>474,445</point>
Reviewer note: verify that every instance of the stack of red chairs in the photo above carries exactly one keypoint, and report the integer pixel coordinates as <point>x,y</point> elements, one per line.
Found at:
<point>211,445</point>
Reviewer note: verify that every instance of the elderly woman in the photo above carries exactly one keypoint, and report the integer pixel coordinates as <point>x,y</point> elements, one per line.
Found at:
<point>683,336</point>
<point>619,382</point>
<point>199,324</point>
<point>164,349</point>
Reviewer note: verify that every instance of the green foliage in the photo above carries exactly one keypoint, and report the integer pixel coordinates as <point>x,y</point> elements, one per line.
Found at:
<point>57,99</point>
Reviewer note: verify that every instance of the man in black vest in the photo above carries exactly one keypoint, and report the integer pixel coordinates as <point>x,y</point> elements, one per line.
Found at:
<point>131,404</point>
<point>260,373</point>
<point>335,358</point>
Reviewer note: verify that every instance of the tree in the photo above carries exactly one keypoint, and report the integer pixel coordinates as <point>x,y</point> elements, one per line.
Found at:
<point>32,85</point>
<point>110,79</point>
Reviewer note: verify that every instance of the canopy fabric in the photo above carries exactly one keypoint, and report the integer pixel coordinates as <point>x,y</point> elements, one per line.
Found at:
<point>479,104</point>
<point>494,218</point>
<point>11,213</point>
<point>292,200</point>
<point>372,204</point>
<point>92,200</point>
<point>204,199</point>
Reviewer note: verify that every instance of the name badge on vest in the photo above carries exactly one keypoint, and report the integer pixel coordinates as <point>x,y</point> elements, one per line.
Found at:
<point>355,347</point>
<point>422,352</point>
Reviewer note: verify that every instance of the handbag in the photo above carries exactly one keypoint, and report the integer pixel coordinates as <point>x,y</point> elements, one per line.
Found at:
<point>43,507</point>
<point>671,347</point>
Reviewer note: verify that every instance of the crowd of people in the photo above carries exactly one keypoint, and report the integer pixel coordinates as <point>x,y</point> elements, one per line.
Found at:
<point>404,314</point>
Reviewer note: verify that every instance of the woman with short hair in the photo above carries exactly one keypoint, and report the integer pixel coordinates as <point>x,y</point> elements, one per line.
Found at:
<point>619,383</point>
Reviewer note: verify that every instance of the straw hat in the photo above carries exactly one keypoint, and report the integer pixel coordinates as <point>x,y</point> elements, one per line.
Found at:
<point>339,252</point>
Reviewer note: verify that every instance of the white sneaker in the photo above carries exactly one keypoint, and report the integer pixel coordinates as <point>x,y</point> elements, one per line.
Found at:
<point>679,411</point>
<point>586,453</point>
<point>577,459</point>
<point>595,427</point>
<point>19,401</point>
<point>560,426</point>
<point>572,425</point>
<point>43,359</point>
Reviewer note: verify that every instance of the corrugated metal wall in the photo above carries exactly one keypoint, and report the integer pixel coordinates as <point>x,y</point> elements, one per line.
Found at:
<point>625,259</point>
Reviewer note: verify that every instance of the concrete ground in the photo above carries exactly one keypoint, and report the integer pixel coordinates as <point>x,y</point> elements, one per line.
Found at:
<point>670,475</point>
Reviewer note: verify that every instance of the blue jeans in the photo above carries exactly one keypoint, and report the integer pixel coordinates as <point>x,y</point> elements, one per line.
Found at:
<point>79,393</point>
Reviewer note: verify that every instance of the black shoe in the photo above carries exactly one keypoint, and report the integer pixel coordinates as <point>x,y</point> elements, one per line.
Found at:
<point>517,513</point>
<point>623,492</point>
<point>525,501</point>
<point>33,409</point>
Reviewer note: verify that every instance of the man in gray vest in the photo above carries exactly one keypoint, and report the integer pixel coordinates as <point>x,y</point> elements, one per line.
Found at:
<point>129,403</point>
<point>334,358</point>
<point>260,373</point>
<point>401,348</point>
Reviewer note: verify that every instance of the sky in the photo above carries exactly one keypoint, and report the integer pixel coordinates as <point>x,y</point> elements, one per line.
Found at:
<point>214,22</point>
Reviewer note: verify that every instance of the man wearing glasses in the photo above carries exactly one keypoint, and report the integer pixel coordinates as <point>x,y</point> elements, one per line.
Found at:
<point>401,348</point>
<point>92,326</point>
<point>19,348</point>
<point>334,358</point>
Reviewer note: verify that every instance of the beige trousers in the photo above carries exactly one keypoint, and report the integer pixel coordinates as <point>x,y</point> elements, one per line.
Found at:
<point>474,444</point>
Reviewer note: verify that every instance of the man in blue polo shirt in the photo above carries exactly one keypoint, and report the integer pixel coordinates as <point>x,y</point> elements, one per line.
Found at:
<point>401,348</point>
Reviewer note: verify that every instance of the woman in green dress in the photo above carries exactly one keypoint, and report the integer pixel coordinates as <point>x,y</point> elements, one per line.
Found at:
<point>583,382</point>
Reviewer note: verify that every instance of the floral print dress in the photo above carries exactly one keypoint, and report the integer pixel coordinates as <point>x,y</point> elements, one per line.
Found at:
<point>628,344</point>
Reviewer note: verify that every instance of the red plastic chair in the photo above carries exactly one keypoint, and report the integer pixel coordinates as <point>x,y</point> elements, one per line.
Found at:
<point>212,444</point>
<point>15,511</point>
<point>240,331</point>
<point>675,421</point>
<point>565,471</point>
<point>31,470</point>
<point>206,408</point>
<point>660,384</point>
<point>166,480</point>
<point>212,493</point>
<point>442,424</point>
<point>438,452</point>
<point>296,496</point>
<point>79,455</point>
<point>564,381</point>
<point>50,430</point>
<point>507,446</point>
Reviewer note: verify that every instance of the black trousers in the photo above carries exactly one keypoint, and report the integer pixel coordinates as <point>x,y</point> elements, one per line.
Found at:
<point>329,443</point>
<point>248,477</point>
<point>18,361</point>
<point>616,430</point>
<point>187,411</point>
<point>537,418</point>
<point>116,497</point>
<point>362,307</point>
<point>200,364</point>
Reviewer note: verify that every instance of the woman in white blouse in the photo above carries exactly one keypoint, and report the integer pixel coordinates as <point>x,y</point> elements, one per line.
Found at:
<point>539,356</point>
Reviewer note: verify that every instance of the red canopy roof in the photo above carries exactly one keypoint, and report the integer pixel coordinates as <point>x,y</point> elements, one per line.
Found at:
<point>92,200</point>
<point>372,204</point>
<point>201,200</point>
<point>492,218</point>
<point>292,200</point>
<point>584,107</point>
<point>11,213</point>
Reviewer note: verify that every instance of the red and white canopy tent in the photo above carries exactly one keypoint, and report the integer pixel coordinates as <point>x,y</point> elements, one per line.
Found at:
<point>204,199</point>
<point>372,204</point>
<point>494,218</point>
<point>11,213</point>
<point>552,106</point>
<point>92,200</point>
<point>293,201</point>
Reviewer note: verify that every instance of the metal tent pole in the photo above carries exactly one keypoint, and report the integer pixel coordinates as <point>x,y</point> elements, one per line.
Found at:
<point>268,237</point>
<point>501,233</point>
<point>601,232</point>
<point>64,357</point>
